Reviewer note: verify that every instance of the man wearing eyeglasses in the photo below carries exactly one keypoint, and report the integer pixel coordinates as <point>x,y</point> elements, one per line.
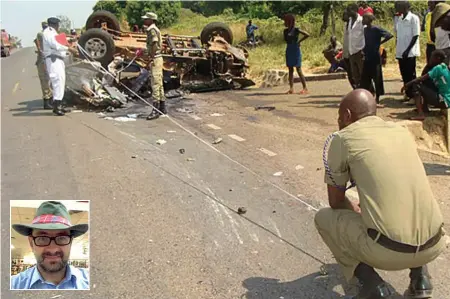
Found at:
<point>50,236</point>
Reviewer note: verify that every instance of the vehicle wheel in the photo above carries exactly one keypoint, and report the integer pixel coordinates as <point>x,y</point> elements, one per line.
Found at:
<point>99,44</point>
<point>96,19</point>
<point>216,28</point>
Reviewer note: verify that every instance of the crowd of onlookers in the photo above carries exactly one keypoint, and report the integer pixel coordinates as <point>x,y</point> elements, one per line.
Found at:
<point>362,54</point>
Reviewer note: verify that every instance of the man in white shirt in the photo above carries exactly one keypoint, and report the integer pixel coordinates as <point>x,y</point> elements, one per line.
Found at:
<point>54,54</point>
<point>408,49</point>
<point>441,15</point>
<point>356,42</point>
<point>345,49</point>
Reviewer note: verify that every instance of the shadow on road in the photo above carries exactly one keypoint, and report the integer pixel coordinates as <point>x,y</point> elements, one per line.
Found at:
<point>29,109</point>
<point>436,169</point>
<point>311,286</point>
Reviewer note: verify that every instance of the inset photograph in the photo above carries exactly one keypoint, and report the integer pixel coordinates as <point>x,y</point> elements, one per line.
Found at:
<point>49,245</point>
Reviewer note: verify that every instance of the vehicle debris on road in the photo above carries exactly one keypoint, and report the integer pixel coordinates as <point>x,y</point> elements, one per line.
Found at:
<point>268,108</point>
<point>182,151</point>
<point>161,142</point>
<point>242,210</point>
<point>217,140</point>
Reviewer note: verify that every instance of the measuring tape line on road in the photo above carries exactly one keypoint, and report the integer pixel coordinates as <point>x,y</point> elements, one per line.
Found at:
<point>104,71</point>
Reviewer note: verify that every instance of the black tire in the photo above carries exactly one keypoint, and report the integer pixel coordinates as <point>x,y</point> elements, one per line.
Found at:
<point>96,19</point>
<point>216,28</point>
<point>99,44</point>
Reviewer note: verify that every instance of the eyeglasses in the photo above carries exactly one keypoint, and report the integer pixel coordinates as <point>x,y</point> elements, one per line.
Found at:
<point>43,241</point>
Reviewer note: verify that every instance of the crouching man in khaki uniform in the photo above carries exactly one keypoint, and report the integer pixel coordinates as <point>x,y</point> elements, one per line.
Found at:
<point>397,224</point>
<point>154,45</point>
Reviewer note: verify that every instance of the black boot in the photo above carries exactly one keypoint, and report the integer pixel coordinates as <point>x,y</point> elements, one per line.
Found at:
<point>57,108</point>
<point>162,107</point>
<point>47,104</point>
<point>420,286</point>
<point>155,113</point>
<point>373,285</point>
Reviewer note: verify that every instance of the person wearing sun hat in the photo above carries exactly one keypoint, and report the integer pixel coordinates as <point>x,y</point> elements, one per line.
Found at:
<point>50,236</point>
<point>441,25</point>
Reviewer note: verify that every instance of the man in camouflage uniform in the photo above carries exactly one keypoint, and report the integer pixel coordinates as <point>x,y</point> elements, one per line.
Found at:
<point>42,71</point>
<point>154,45</point>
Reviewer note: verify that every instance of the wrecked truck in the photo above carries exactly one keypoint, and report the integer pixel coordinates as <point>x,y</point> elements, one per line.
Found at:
<point>204,63</point>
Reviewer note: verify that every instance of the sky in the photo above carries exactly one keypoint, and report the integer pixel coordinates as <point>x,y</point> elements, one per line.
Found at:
<point>23,18</point>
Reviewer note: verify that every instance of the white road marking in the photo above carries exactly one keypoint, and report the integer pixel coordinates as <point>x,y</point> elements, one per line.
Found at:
<point>298,167</point>
<point>254,237</point>
<point>127,134</point>
<point>278,231</point>
<point>236,137</point>
<point>15,88</point>
<point>233,224</point>
<point>217,211</point>
<point>267,152</point>
<point>195,117</point>
<point>214,127</point>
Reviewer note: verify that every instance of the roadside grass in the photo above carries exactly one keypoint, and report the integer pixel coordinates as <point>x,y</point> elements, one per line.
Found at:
<point>271,54</point>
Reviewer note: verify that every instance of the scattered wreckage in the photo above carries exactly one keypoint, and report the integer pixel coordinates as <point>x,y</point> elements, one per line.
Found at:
<point>196,64</point>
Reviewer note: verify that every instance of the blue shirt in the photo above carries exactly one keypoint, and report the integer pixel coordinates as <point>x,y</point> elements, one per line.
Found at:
<point>76,278</point>
<point>373,37</point>
<point>440,74</point>
<point>251,29</point>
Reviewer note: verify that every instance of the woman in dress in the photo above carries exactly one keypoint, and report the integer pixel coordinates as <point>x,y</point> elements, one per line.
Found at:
<point>293,52</point>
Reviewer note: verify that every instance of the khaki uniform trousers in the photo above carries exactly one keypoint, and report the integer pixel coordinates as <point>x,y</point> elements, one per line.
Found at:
<point>357,65</point>
<point>156,79</point>
<point>344,232</point>
<point>43,77</point>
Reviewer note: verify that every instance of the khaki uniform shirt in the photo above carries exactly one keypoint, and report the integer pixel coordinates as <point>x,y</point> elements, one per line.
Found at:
<point>154,41</point>
<point>394,192</point>
<point>40,39</point>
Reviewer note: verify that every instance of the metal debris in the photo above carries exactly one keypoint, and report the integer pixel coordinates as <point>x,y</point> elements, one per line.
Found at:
<point>279,173</point>
<point>133,157</point>
<point>190,159</point>
<point>217,114</point>
<point>160,141</point>
<point>56,296</point>
<point>298,167</point>
<point>132,115</point>
<point>217,140</point>
<point>171,131</point>
<point>184,110</point>
<point>182,151</point>
<point>124,119</point>
<point>268,108</point>
<point>241,210</point>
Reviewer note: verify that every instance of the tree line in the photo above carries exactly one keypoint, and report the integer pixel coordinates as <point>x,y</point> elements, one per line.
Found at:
<point>169,11</point>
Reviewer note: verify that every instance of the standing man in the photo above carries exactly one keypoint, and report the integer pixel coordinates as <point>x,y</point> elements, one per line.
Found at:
<point>441,15</point>
<point>364,8</point>
<point>50,236</point>
<point>346,50</point>
<point>397,223</point>
<point>408,48</point>
<point>42,71</point>
<point>54,54</point>
<point>154,45</point>
<point>426,26</point>
<point>356,43</point>
<point>372,70</point>
<point>250,30</point>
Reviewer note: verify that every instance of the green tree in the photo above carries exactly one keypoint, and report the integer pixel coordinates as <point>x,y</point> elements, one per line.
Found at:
<point>65,24</point>
<point>168,12</point>
<point>112,6</point>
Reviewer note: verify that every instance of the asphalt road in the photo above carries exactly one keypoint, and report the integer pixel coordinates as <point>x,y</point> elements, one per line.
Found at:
<point>165,224</point>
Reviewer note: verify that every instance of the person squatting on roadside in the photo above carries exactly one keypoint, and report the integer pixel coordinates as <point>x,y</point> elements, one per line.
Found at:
<point>293,51</point>
<point>154,45</point>
<point>372,67</point>
<point>433,87</point>
<point>54,54</point>
<point>356,43</point>
<point>397,223</point>
<point>408,47</point>
<point>42,70</point>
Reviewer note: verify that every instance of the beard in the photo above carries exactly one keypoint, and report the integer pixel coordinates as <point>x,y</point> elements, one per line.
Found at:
<point>52,266</point>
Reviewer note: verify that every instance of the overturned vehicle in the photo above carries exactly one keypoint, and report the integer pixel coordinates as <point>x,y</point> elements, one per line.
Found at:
<point>204,63</point>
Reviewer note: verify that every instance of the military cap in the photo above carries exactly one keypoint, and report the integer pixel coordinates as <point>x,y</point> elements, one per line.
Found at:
<point>53,20</point>
<point>150,16</point>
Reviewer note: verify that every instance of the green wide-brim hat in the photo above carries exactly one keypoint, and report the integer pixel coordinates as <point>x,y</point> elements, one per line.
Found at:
<point>439,11</point>
<point>51,215</point>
